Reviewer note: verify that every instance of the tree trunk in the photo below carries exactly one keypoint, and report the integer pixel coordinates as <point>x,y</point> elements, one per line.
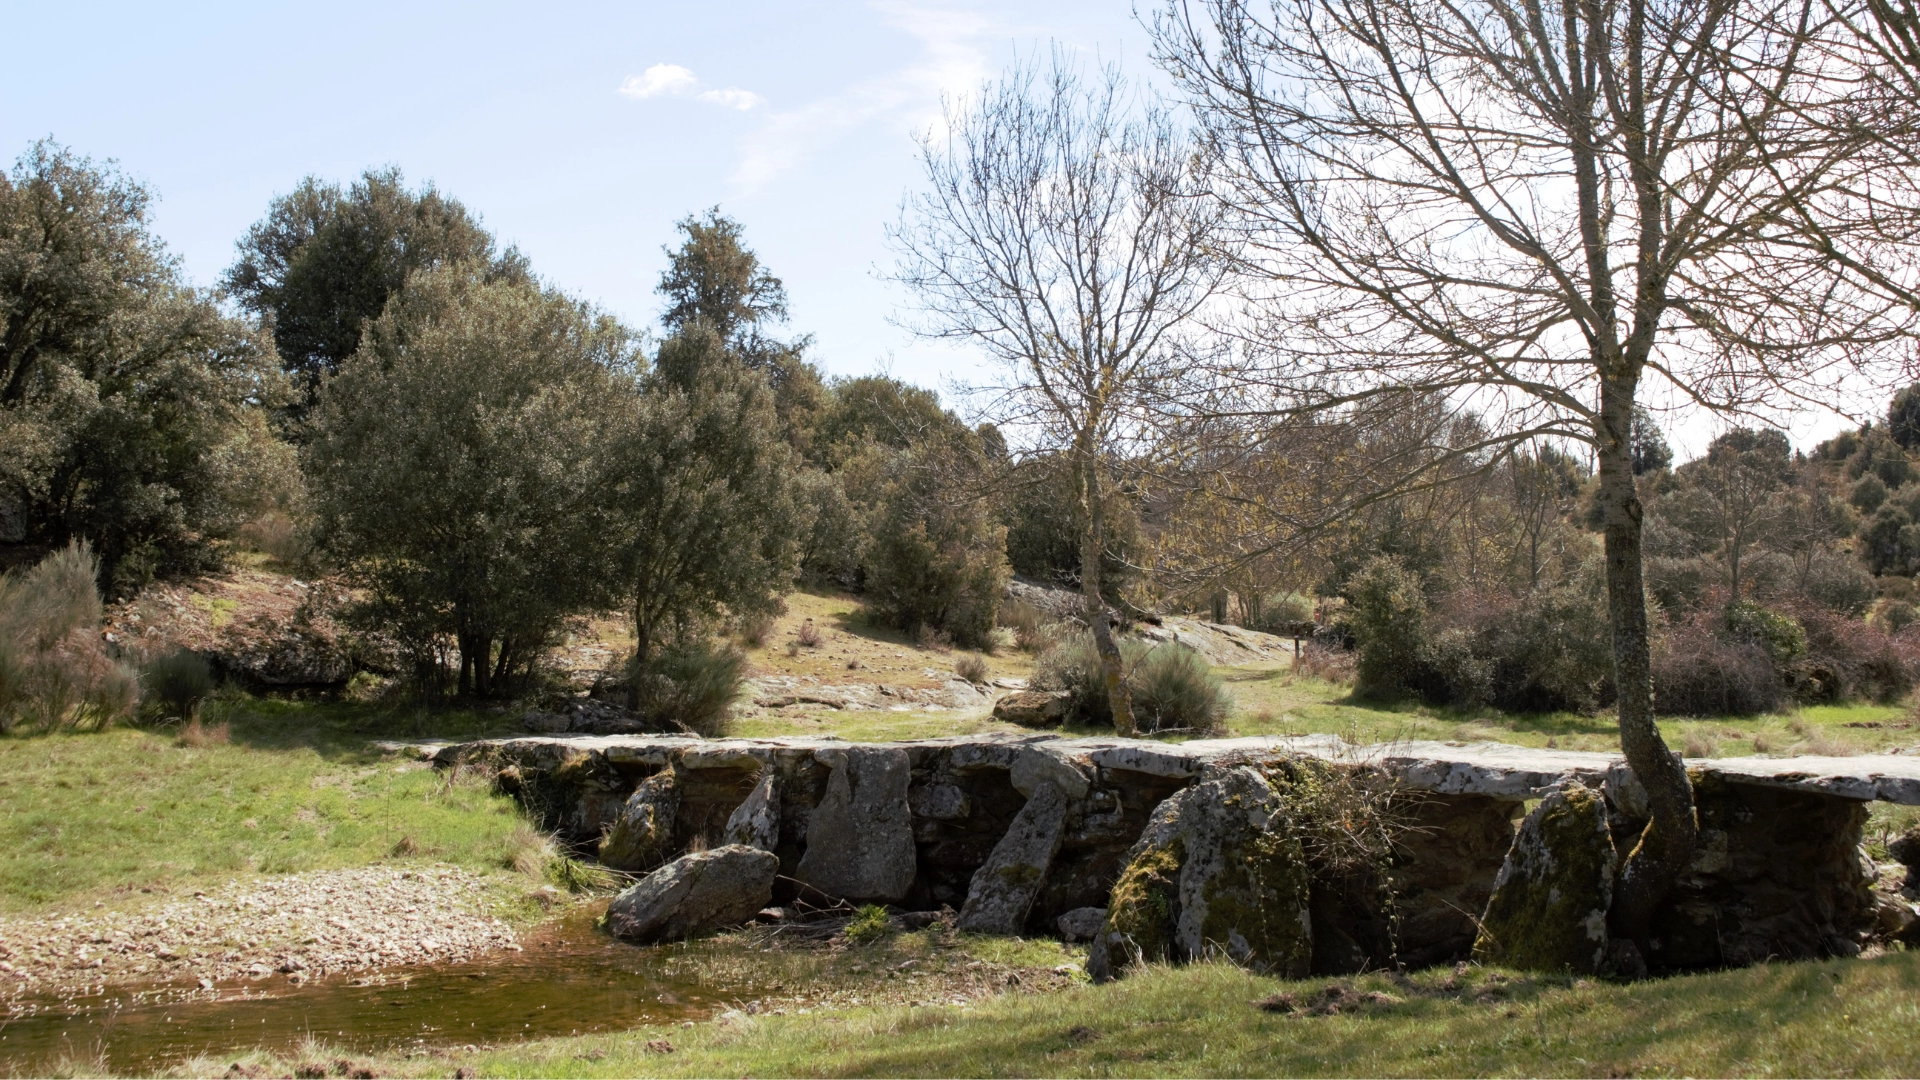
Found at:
<point>1668,840</point>
<point>1092,548</point>
<point>642,652</point>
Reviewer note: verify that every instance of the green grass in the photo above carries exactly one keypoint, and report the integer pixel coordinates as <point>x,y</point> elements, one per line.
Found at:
<point>1836,1018</point>
<point>99,816</point>
<point>1270,700</point>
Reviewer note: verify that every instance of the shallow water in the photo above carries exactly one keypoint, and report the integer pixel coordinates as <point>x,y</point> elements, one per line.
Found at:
<point>570,979</point>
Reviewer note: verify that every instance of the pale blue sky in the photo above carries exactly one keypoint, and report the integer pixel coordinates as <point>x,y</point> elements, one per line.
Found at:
<point>795,117</point>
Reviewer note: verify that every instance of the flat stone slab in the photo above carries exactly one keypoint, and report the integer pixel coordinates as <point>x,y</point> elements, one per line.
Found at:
<point>1497,770</point>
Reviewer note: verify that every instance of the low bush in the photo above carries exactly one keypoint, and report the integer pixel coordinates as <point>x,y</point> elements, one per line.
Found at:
<point>174,684</point>
<point>55,670</point>
<point>1172,687</point>
<point>1027,622</point>
<point>1328,663</point>
<point>1698,671</point>
<point>971,667</point>
<point>1848,659</point>
<point>690,683</point>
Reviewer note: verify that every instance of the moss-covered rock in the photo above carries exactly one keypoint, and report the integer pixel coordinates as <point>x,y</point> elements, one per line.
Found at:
<point>1218,872</point>
<point>641,838</point>
<point>1549,906</point>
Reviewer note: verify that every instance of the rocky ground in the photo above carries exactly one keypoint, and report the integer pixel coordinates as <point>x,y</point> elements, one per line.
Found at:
<point>293,928</point>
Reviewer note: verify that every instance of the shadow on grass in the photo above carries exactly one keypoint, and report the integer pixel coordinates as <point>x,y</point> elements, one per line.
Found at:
<point>341,729</point>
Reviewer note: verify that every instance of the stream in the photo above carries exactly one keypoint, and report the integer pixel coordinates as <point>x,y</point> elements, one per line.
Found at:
<point>569,979</point>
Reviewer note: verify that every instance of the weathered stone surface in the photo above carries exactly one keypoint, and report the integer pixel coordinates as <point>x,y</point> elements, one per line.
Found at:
<point>756,824</point>
<point>1220,643</point>
<point>1549,905</point>
<point>697,892</point>
<point>1217,871</point>
<point>1494,769</point>
<point>941,802</point>
<point>1034,766</point>
<point>860,837</point>
<point>1032,708</point>
<point>642,836</point>
<point>1004,887</point>
<point>1081,924</point>
<point>1776,874</point>
<point>1444,867</point>
<point>591,716</point>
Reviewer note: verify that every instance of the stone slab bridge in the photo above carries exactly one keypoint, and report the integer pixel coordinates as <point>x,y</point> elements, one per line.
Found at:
<point>1188,845</point>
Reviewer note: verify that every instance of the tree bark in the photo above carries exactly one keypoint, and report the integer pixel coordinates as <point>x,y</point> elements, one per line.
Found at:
<point>1668,840</point>
<point>1093,543</point>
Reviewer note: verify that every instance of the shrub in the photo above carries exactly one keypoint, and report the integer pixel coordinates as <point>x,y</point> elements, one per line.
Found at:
<point>1780,635</point>
<point>868,924</point>
<point>1328,663</point>
<point>1848,659</point>
<point>1172,687</point>
<point>1282,612</point>
<point>971,667</point>
<point>54,668</point>
<point>1388,613</point>
<point>175,683</point>
<point>1698,672</point>
<point>937,559</point>
<point>808,636</point>
<point>689,683</point>
<point>1027,623</point>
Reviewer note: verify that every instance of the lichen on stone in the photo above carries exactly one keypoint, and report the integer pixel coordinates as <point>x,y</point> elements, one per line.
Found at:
<point>1549,906</point>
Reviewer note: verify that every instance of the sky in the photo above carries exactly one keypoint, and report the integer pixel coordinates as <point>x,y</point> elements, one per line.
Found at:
<point>579,132</point>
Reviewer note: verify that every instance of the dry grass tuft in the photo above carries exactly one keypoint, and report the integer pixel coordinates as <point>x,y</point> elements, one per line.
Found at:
<point>197,735</point>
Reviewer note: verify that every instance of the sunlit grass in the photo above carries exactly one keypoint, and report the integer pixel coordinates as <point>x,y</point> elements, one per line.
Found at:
<point>296,787</point>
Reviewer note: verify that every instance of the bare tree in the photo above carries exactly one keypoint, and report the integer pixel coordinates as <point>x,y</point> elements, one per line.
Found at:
<point>1060,231</point>
<point>1533,207</point>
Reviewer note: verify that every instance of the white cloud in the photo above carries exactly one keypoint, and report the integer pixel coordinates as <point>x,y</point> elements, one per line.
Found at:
<point>952,59</point>
<point>733,98</point>
<point>669,79</point>
<point>672,80</point>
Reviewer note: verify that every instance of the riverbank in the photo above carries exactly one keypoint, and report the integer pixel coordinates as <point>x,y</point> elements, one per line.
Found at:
<point>1831,1018</point>
<point>291,929</point>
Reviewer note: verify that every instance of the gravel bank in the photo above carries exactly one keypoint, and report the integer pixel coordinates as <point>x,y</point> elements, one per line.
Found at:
<point>293,928</point>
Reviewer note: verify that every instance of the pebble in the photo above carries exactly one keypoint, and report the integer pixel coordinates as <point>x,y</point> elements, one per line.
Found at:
<point>303,926</point>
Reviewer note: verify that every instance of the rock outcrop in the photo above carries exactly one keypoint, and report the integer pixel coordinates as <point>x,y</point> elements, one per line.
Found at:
<point>860,836</point>
<point>1218,870</point>
<point>1032,708</point>
<point>722,887</point>
<point>1549,905</point>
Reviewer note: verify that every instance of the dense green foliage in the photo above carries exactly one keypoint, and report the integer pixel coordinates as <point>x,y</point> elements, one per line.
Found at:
<point>128,401</point>
<point>456,469</point>
<point>324,262</point>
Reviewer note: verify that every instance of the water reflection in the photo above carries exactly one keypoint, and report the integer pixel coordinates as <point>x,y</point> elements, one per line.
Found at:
<point>570,979</point>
